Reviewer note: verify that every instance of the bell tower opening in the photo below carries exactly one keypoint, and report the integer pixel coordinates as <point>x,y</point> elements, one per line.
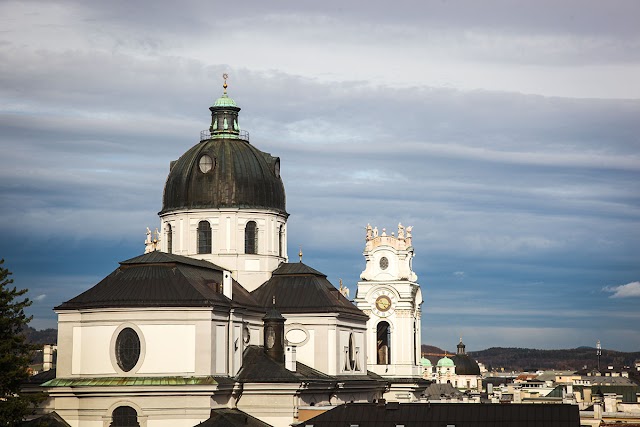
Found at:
<point>383,341</point>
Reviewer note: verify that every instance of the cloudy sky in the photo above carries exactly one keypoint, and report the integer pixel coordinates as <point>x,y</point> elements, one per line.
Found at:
<point>507,133</point>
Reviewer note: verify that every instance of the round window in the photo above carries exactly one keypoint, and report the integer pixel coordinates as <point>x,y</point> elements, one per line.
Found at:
<point>384,263</point>
<point>205,163</point>
<point>127,349</point>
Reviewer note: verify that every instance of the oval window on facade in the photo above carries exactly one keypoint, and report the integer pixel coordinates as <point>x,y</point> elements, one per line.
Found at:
<point>384,263</point>
<point>205,163</point>
<point>352,351</point>
<point>127,349</point>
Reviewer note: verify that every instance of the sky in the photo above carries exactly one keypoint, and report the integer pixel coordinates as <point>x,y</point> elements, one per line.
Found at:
<point>507,133</point>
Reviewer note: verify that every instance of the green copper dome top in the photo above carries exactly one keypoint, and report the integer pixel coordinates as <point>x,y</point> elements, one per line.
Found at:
<point>445,361</point>
<point>425,362</point>
<point>224,101</point>
<point>224,171</point>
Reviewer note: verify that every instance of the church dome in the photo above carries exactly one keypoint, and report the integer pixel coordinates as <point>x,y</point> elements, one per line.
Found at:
<point>445,362</point>
<point>425,362</point>
<point>224,170</point>
<point>465,365</point>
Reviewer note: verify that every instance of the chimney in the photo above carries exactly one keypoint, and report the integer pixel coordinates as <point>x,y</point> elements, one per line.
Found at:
<point>610,402</point>
<point>227,284</point>
<point>47,357</point>
<point>274,334</point>
<point>290,358</point>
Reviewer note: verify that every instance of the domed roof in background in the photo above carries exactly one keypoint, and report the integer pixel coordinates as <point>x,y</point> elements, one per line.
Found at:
<point>224,170</point>
<point>446,362</point>
<point>425,362</point>
<point>465,365</point>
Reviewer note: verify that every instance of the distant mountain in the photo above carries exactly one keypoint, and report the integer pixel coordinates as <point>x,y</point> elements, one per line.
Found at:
<point>569,359</point>
<point>45,336</point>
<point>519,359</point>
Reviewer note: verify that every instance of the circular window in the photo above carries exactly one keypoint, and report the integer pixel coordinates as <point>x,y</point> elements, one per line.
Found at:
<point>384,263</point>
<point>205,163</point>
<point>127,349</point>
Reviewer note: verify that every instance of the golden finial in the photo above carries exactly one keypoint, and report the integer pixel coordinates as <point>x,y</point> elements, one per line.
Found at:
<point>300,254</point>
<point>225,76</point>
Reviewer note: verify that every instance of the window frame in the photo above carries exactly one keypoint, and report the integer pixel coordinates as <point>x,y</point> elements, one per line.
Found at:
<point>204,239</point>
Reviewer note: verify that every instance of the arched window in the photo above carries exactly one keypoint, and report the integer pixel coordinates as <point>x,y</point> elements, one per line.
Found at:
<point>251,238</point>
<point>281,241</point>
<point>384,343</point>
<point>169,239</point>
<point>124,416</point>
<point>204,237</point>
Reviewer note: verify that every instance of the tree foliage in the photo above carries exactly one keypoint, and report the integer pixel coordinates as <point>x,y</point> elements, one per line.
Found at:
<point>15,352</point>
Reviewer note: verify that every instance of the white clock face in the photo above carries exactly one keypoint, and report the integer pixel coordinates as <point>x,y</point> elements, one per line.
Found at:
<point>383,303</point>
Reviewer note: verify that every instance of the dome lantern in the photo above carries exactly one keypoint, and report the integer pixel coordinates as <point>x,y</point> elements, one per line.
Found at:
<point>224,116</point>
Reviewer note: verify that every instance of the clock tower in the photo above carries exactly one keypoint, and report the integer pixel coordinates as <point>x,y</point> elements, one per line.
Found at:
<point>389,293</point>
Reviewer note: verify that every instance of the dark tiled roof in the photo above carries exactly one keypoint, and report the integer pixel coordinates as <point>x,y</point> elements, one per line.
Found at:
<point>158,279</point>
<point>438,391</point>
<point>442,414</point>
<point>42,377</point>
<point>465,365</point>
<point>226,417</point>
<point>259,368</point>
<point>52,419</point>
<point>299,288</point>
<point>628,392</point>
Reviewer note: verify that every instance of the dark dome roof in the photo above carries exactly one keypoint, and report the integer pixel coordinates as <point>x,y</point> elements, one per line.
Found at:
<point>241,177</point>
<point>465,365</point>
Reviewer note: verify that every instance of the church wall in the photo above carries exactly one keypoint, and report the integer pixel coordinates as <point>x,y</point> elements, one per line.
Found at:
<point>227,240</point>
<point>179,408</point>
<point>326,338</point>
<point>172,342</point>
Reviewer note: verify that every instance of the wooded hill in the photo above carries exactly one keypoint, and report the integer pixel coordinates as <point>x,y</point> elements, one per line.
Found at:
<point>520,359</point>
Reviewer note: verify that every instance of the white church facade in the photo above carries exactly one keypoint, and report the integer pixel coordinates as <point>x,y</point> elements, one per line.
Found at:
<point>213,321</point>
